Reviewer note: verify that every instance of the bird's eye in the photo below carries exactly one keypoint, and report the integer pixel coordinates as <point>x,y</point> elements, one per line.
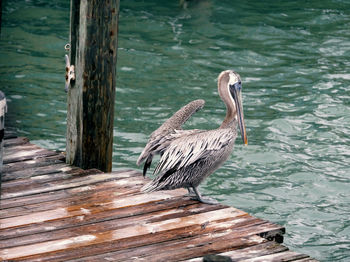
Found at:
<point>240,82</point>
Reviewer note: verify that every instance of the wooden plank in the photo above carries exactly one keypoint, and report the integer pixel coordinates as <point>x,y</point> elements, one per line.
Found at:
<point>80,210</point>
<point>121,237</point>
<point>89,219</point>
<point>70,192</point>
<point>152,217</point>
<point>47,179</point>
<point>101,192</point>
<point>15,141</point>
<point>261,249</point>
<point>38,175</point>
<point>214,243</point>
<point>9,133</point>
<point>25,152</point>
<point>282,256</point>
<point>181,249</point>
<point>70,183</point>
<point>24,165</point>
<point>34,185</point>
<point>136,236</point>
<point>106,215</point>
<point>83,224</point>
<point>21,147</point>
<point>54,168</point>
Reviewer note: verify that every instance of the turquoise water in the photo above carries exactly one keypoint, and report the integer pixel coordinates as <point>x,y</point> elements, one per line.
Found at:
<point>293,57</point>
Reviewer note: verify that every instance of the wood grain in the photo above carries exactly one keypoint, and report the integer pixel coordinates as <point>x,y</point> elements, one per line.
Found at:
<point>90,102</point>
<point>51,211</point>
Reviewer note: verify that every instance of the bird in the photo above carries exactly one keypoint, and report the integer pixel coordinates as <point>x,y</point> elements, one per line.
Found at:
<point>188,157</point>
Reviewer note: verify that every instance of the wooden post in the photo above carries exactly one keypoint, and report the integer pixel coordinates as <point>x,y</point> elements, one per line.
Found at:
<point>0,16</point>
<point>90,114</point>
<point>3,110</point>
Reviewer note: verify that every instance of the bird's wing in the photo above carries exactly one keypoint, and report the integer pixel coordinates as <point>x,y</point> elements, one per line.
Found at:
<point>186,150</point>
<point>159,139</point>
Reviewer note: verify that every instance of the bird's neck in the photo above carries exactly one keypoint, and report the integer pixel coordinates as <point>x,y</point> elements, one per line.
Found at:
<point>230,119</point>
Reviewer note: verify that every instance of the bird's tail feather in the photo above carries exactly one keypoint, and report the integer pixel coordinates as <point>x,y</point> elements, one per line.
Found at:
<point>150,187</point>
<point>147,165</point>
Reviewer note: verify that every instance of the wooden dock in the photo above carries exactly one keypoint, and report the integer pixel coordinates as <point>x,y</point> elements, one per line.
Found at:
<point>51,211</point>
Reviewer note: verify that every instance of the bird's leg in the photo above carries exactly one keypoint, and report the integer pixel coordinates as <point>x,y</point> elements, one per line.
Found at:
<point>205,200</point>
<point>191,193</point>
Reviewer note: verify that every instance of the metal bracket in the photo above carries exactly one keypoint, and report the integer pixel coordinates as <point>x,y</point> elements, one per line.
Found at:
<point>70,73</point>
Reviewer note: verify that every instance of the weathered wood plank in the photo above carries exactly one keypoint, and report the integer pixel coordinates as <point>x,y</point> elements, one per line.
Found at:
<point>70,192</point>
<point>83,224</point>
<point>64,202</point>
<point>153,217</point>
<point>39,175</point>
<point>69,183</point>
<point>281,256</point>
<point>24,165</point>
<point>262,249</point>
<point>25,152</point>
<point>76,221</point>
<point>15,141</point>
<point>180,249</point>
<point>98,193</point>
<point>53,168</point>
<point>9,133</point>
<point>198,220</point>
<point>121,239</point>
<point>214,243</point>
<point>47,179</point>
<point>12,150</point>
<point>135,235</point>
<point>80,210</point>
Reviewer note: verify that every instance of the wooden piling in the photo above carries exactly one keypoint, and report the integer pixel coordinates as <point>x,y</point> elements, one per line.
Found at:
<point>3,109</point>
<point>90,102</point>
<point>0,15</point>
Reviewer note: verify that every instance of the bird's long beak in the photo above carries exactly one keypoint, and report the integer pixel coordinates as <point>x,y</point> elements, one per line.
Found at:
<point>236,92</point>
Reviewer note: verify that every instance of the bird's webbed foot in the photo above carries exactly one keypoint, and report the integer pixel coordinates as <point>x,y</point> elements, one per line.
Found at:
<point>205,200</point>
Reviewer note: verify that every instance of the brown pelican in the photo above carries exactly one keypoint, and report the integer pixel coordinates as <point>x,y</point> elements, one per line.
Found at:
<point>189,156</point>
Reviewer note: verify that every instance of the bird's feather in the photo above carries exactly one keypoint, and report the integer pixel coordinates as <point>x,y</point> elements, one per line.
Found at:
<point>159,139</point>
<point>188,149</point>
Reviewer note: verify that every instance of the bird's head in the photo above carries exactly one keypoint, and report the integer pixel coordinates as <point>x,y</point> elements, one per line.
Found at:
<point>230,90</point>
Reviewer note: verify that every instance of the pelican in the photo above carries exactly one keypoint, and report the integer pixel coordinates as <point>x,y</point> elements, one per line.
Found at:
<point>189,156</point>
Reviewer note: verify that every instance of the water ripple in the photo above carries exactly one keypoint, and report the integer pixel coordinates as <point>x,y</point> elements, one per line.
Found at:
<point>294,63</point>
